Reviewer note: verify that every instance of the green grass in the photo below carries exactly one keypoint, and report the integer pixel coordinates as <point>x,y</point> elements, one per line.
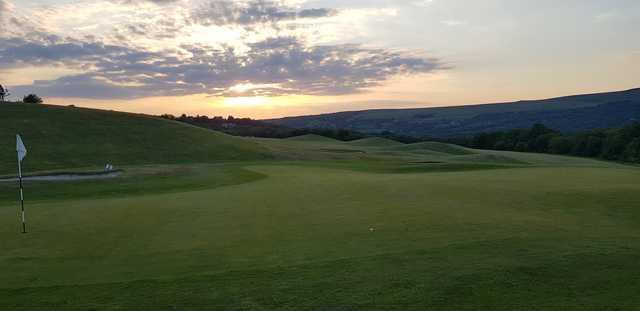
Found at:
<point>63,137</point>
<point>138,180</point>
<point>301,238</point>
<point>374,142</point>
<point>312,138</point>
<point>321,225</point>
<point>435,147</point>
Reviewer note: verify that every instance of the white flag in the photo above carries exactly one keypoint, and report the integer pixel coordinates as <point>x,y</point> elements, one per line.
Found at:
<point>22,150</point>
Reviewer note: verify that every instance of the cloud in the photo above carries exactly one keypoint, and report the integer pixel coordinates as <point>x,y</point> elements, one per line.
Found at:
<point>250,56</point>
<point>161,1</point>
<point>134,2</point>
<point>225,12</point>
<point>422,3</point>
<point>51,49</point>
<point>607,16</point>
<point>277,66</point>
<point>5,7</point>
<point>454,22</point>
<point>165,28</point>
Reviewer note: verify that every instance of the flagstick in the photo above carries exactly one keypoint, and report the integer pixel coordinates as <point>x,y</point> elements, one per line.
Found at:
<point>24,225</point>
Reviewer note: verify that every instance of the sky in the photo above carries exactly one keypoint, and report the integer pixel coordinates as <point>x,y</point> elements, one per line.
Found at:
<point>266,59</point>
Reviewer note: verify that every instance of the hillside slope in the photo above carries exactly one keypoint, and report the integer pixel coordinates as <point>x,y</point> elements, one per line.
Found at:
<point>567,114</point>
<point>65,137</point>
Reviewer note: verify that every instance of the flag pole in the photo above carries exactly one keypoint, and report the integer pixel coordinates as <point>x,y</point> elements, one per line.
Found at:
<point>24,225</point>
<point>22,152</point>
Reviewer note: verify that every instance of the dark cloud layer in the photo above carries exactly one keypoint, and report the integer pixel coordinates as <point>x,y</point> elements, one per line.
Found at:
<point>245,14</point>
<point>282,65</point>
<point>277,66</point>
<point>54,50</point>
<point>225,12</point>
<point>166,28</point>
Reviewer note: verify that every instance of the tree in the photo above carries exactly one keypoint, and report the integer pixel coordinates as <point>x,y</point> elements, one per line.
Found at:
<point>3,93</point>
<point>522,147</point>
<point>32,99</point>
<point>614,144</point>
<point>560,145</point>
<point>632,151</point>
<point>541,143</point>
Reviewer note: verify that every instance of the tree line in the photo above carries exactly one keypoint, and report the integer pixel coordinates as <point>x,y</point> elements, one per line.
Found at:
<point>27,99</point>
<point>255,128</point>
<point>618,144</point>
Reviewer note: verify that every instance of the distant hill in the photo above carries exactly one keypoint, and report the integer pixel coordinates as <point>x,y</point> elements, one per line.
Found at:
<point>565,114</point>
<point>67,137</point>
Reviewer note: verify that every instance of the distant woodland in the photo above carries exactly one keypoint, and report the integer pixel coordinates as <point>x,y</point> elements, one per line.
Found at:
<point>618,144</point>
<point>254,128</point>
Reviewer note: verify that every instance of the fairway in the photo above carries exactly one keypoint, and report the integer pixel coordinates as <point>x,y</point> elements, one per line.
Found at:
<point>314,223</point>
<point>316,237</point>
<point>298,155</point>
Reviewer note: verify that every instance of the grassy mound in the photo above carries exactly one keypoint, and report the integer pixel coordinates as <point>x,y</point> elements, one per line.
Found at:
<point>312,138</point>
<point>435,147</point>
<point>64,137</point>
<point>375,142</point>
<point>488,158</point>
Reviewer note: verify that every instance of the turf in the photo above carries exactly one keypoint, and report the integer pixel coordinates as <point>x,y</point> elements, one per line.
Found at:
<point>316,224</point>
<point>137,180</point>
<point>374,142</point>
<point>63,137</point>
<point>435,147</point>
<point>311,138</point>
<point>303,238</point>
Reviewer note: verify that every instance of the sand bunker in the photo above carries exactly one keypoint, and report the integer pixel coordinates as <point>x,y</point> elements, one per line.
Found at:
<point>65,176</point>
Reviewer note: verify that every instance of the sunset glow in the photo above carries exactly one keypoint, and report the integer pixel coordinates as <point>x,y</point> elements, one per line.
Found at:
<point>246,101</point>
<point>261,58</point>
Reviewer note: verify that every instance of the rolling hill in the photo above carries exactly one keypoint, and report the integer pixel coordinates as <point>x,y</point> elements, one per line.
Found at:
<point>67,137</point>
<point>368,224</point>
<point>566,114</point>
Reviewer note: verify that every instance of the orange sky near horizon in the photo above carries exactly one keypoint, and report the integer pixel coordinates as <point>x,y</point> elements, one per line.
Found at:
<point>273,59</point>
